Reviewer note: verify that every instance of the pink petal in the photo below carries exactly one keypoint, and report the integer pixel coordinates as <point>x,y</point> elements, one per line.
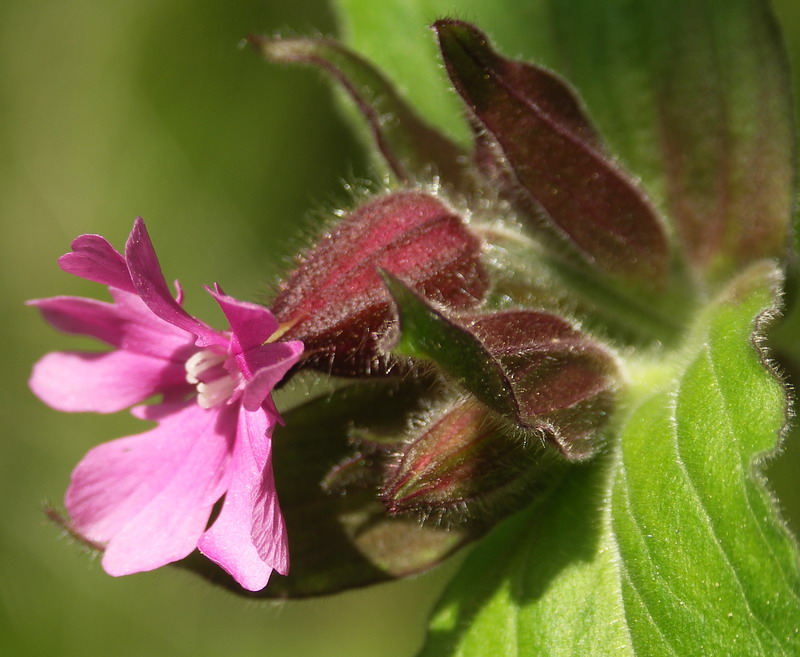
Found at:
<point>148,497</point>
<point>102,382</point>
<point>94,259</point>
<point>268,406</point>
<point>178,292</point>
<point>273,361</point>
<point>157,412</point>
<point>145,333</point>
<point>127,324</point>
<point>149,282</point>
<point>269,529</point>
<point>97,319</point>
<point>249,538</point>
<point>251,324</point>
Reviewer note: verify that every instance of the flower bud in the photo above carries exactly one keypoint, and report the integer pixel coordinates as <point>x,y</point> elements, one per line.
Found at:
<point>335,301</point>
<point>464,458</point>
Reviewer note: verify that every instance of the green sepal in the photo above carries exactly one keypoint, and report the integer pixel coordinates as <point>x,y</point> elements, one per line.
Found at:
<point>425,333</point>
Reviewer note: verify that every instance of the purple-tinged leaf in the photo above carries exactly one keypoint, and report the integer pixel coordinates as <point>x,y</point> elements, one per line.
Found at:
<point>413,150</point>
<point>551,96</point>
<point>335,301</point>
<point>726,135</point>
<point>695,98</point>
<point>552,156</point>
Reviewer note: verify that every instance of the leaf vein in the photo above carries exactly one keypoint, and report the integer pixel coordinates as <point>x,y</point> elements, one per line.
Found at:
<point>626,503</point>
<point>701,506</point>
<point>747,469</point>
<point>635,589</point>
<point>614,548</point>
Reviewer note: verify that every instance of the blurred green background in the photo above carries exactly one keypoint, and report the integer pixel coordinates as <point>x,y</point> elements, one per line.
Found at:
<point>112,110</point>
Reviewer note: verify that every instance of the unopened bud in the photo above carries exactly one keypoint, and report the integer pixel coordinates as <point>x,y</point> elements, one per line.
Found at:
<point>335,301</point>
<point>464,459</point>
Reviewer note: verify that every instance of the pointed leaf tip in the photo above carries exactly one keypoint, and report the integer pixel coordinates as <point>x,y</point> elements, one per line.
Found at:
<point>461,463</point>
<point>412,149</point>
<point>551,156</point>
<point>424,332</point>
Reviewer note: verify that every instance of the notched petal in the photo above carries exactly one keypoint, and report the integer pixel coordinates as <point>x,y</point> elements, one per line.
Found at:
<point>93,258</point>
<point>150,285</point>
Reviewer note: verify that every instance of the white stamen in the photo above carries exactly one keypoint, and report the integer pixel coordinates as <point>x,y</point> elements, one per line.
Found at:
<point>215,392</point>
<point>203,360</point>
<point>215,381</point>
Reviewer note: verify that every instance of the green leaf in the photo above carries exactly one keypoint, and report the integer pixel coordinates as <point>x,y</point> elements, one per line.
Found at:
<point>543,583</point>
<point>706,563</point>
<point>671,545</point>
<point>695,97</point>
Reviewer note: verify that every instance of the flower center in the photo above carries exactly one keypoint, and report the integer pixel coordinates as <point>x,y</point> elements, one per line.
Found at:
<point>215,382</point>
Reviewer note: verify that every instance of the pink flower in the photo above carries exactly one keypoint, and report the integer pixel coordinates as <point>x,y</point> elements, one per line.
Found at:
<point>147,498</point>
